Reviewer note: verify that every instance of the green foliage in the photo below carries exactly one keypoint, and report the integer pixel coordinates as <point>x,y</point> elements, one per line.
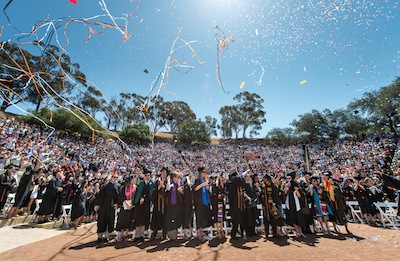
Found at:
<point>281,136</point>
<point>53,72</point>
<point>64,120</point>
<point>193,131</point>
<point>138,133</point>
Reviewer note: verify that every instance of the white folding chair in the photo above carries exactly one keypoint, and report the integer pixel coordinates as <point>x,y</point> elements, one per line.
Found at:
<point>66,214</point>
<point>37,207</point>
<point>388,214</point>
<point>9,203</point>
<point>355,211</point>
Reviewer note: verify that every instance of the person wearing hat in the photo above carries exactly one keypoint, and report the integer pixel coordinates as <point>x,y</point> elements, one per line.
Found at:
<point>321,208</point>
<point>79,201</point>
<point>187,207</point>
<point>106,203</point>
<point>7,182</point>
<point>23,188</point>
<point>201,200</point>
<point>51,204</point>
<point>159,204</point>
<point>142,206</point>
<point>125,201</point>
<point>270,202</point>
<point>294,214</point>
<point>173,195</point>
<point>236,203</point>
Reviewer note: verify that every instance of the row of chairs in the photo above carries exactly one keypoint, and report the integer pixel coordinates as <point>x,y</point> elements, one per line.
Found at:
<point>387,212</point>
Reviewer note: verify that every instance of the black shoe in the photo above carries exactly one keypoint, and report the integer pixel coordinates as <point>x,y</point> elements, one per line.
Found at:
<point>106,240</point>
<point>99,240</point>
<point>136,239</point>
<point>141,239</point>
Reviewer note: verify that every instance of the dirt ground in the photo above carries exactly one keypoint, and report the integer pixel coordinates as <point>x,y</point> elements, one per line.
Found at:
<point>368,243</point>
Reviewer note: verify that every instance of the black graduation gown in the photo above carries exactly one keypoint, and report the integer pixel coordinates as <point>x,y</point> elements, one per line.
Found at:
<point>340,205</point>
<point>294,216</point>
<point>236,201</point>
<point>251,213</point>
<point>214,202</point>
<point>142,212</point>
<point>203,212</point>
<point>5,188</point>
<point>78,203</point>
<point>125,217</point>
<point>187,207</point>
<point>23,188</point>
<point>107,197</point>
<point>49,198</point>
<point>158,198</point>
<point>173,213</point>
<point>393,183</point>
<point>268,218</point>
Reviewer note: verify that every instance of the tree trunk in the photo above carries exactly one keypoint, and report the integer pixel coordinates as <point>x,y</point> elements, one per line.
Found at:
<point>38,107</point>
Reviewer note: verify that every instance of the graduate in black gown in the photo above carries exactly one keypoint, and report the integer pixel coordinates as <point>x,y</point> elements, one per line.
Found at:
<point>52,193</point>
<point>201,200</point>
<point>294,214</point>
<point>125,202</point>
<point>236,203</point>
<point>105,204</point>
<point>270,200</point>
<point>78,210</point>
<point>7,182</point>
<point>159,206</point>
<point>142,206</point>
<point>174,205</point>
<point>23,188</point>
<point>187,208</point>
<point>218,202</point>
<point>251,213</point>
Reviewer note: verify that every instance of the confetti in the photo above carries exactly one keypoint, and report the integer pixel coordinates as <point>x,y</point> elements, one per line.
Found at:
<point>75,2</point>
<point>303,82</point>
<point>241,85</point>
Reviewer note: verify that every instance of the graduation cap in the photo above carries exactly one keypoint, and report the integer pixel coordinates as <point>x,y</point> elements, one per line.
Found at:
<point>314,178</point>
<point>200,169</point>
<point>146,172</point>
<point>233,172</point>
<point>291,174</point>
<point>268,177</point>
<point>9,166</point>
<point>146,71</point>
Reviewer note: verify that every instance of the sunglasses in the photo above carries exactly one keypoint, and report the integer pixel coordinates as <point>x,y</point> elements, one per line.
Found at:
<point>115,177</point>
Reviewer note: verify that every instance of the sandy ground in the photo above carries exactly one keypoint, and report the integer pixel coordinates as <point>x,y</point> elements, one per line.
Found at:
<point>369,243</point>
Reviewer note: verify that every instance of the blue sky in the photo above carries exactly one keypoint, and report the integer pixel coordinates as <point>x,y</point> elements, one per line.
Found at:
<point>341,48</point>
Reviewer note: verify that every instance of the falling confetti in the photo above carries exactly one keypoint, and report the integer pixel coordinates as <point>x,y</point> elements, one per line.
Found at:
<point>303,82</point>
<point>75,2</point>
<point>241,85</point>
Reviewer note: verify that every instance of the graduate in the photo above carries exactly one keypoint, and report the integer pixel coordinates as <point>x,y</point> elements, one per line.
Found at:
<point>142,206</point>
<point>218,202</point>
<point>251,213</point>
<point>52,193</point>
<point>125,215</point>
<point>159,206</point>
<point>187,208</point>
<point>105,204</point>
<point>174,205</point>
<point>23,188</point>
<point>270,201</point>
<point>79,202</point>
<point>201,200</point>
<point>7,182</point>
<point>236,203</point>
<point>294,214</point>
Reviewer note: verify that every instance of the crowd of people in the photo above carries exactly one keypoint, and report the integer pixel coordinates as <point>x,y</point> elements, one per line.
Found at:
<point>166,186</point>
